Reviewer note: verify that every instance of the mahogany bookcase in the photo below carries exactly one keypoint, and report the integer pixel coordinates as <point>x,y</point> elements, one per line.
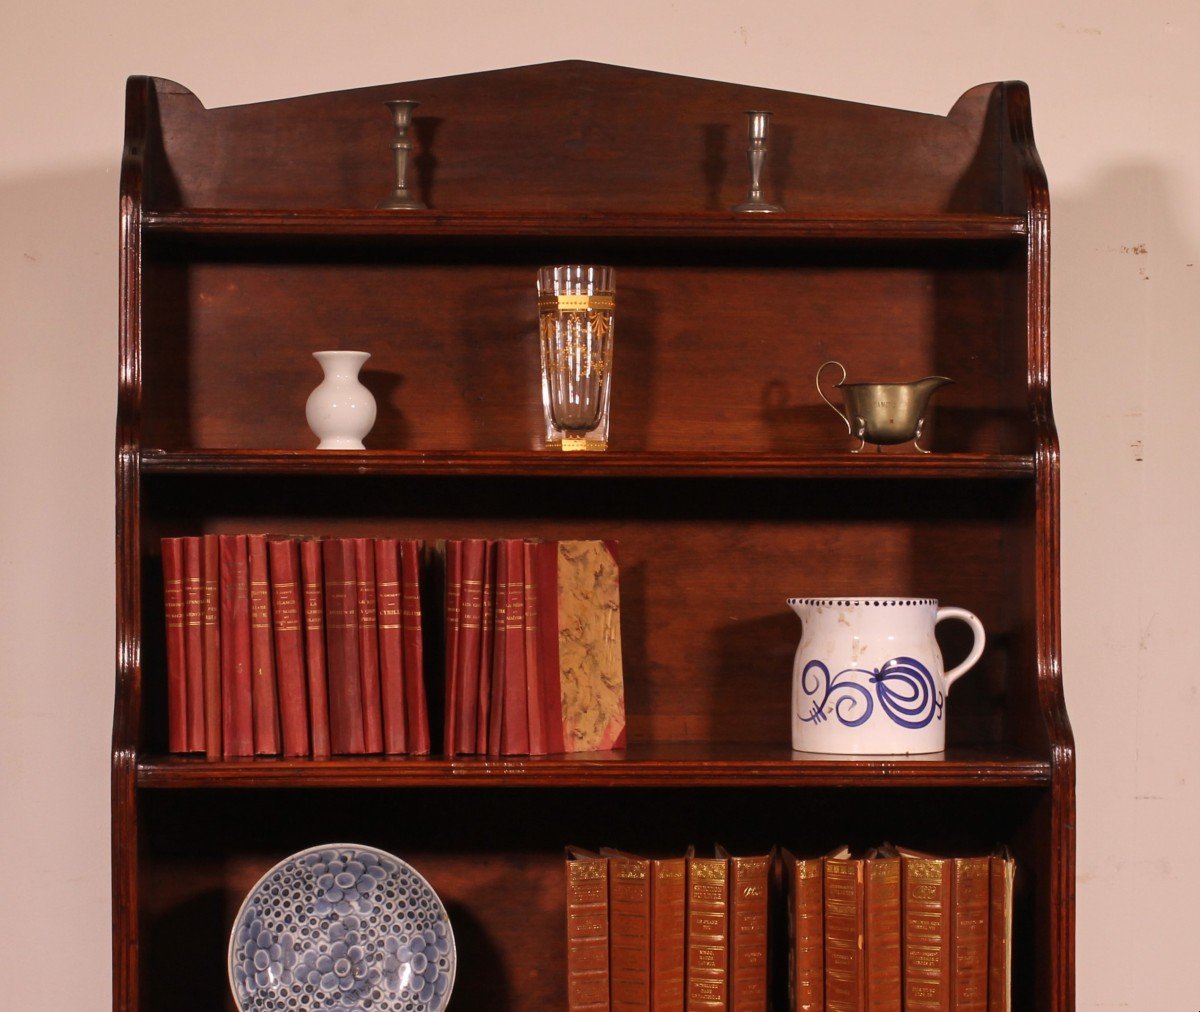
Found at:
<point>911,244</point>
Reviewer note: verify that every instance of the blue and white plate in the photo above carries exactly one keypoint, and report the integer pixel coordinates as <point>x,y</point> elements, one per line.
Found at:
<point>342,928</point>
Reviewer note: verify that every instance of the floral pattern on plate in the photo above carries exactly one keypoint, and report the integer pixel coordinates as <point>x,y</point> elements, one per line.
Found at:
<point>342,928</point>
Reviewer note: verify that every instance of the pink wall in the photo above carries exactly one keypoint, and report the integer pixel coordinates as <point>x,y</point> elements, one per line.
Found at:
<point>1114,88</point>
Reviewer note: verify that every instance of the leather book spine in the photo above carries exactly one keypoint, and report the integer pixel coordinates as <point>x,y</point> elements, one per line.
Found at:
<point>211,639</point>
<point>587,933</point>
<point>263,687</point>
<point>368,646</point>
<point>283,557</point>
<point>926,905</point>
<point>806,925</point>
<point>545,555</point>
<point>881,947</point>
<point>1001,871</point>
<point>389,622</point>
<point>629,929</point>
<point>453,624</point>
<point>237,720</point>
<point>707,934</point>
<point>341,636</point>
<point>193,635</point>
<point>487,649</point>
<point>749,882</point>
<point>969,935</point>
<point>316,673</point>
<point>499,653</point>
<point>515,734</point>
<point>845,981</point>
<point>668,933</point>
<point>416,706</point>
<point>534,707</point>
<point>173,605</point>
<point>470,642</point>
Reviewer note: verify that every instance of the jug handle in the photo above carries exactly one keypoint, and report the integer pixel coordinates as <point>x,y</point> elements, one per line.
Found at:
<point>976,650</point>
<point>849,427</point>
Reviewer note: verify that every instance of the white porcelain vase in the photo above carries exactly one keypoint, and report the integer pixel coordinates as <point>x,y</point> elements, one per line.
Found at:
<point>340,411</point>
<point>868,677</point>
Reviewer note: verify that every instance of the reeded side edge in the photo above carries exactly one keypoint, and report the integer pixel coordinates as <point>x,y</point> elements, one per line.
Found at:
<point>1047,591</point>
<point>127,704</point>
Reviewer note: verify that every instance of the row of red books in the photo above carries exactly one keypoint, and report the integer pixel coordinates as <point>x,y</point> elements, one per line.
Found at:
<point>892,930</point>
<point>533,647</point>
<point>294,646</point>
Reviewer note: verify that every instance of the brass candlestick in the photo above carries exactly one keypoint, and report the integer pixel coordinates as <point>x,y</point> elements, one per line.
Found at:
<point>754,203</point>
<point>400,199</point>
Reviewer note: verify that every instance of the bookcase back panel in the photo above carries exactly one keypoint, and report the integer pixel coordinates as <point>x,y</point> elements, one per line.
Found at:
<point>573,136</point>
<point>716,348</point>
<point>495,859</point>
<point>708,640</point>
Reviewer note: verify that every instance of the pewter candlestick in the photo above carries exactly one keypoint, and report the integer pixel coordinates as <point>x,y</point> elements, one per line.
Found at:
<point>754,203</point>
<point>400,199</point>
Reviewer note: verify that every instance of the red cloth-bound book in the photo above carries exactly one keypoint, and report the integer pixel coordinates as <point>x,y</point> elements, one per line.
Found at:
<point>283,556</point>
<point>177,709</point>
<point>416,708</point>
<point>368,646</point>
<point>470,608</point>
<point>313,584</point>
<point>237,721</point>
<point>391,644</point>
<point>211,639</point>
<point>515,735</point>
<point>193,636</point>
<point>341,635</point>
<point>263,689</point>
<point>452,687</point>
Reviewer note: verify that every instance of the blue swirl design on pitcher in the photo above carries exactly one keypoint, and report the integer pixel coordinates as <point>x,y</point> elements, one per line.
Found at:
<point>904,687</point>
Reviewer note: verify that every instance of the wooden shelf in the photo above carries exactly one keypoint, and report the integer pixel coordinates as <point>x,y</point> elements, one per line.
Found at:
<point>643,765</point>
<point>355,222</point>
<point>576,465</point>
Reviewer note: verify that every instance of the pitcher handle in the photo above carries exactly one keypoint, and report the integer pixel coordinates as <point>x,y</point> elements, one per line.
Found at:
<point>849,427</point>
<point>976,650</point>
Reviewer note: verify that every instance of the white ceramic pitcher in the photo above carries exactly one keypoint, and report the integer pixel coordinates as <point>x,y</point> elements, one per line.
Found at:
<point>868,677</point>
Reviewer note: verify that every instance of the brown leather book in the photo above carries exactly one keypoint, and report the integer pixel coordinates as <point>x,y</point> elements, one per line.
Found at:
<point>969,934</point>
<point>514,736</point>
<point>210,573</point>
<point>237,720</point>
<point>416,706</point>
<point>845,921</point>
<point>629,912</point>
<point>587,931</point>
<point>707,933</point>
<point>173,605</point>
<point>668,933</point>
<point>534,706</point>
<point>368,646</point>
<point>881,944</point>
<point>488,645</point>
<point>453,605</point>
<point>749,890</point>
<point>341,637</point>
<point>263,686</point>
<point>926,900</point>
<point>317,677</point>
<point>389,623</point>
<point>806,932</point>
<point>193,635</point>
<point>1002,875</point>
<point>283,558</point>
<point>579,645</point>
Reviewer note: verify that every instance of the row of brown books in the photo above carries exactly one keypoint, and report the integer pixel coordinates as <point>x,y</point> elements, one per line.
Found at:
<point>533,647</point>
<point>294,646</point>
<point>891,931</point>
<point>667,933</point>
